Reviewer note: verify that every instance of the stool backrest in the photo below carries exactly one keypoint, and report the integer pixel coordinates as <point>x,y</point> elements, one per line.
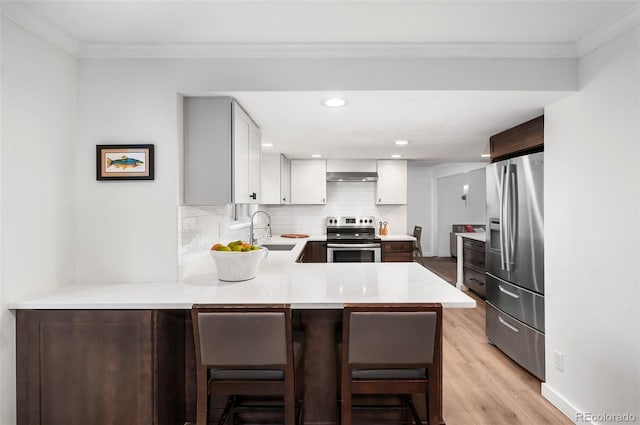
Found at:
<point>228,336</point>
<point>392,335</point>
<point>417,232</point>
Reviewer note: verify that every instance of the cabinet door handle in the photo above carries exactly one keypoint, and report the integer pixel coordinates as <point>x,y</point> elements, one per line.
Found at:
<point>476,280</point>
<point>253,195</point>
<point>379,199</point>
<point>323,200</point>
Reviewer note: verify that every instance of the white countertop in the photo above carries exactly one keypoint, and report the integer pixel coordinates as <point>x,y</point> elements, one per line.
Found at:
<point>280,280</point>
<point>397,238</point>
<point>478,236</point>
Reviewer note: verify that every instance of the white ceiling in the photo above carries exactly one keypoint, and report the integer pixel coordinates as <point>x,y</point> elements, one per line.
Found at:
<point>328,21</point>
<point>442,126</point>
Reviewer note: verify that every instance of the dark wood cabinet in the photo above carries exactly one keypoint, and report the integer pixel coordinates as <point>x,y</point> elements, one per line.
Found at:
<point>525,138</point>
<point>314,252</point>
<point>100,367</point>
<point>473,255</point>
<point>397,251</point>
<point>138,367</point>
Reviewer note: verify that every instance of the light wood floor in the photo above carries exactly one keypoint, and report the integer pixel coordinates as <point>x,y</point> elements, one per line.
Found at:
<point>481,384</point>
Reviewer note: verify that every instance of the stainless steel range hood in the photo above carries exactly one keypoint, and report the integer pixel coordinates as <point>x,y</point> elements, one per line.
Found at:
<point>352,176</point>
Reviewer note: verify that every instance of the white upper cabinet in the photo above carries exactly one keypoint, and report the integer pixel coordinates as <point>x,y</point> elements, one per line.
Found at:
<point>222,153</point>
<point>246,158</point>
<point>391,187</point>
<point>285,180</point>
<point>275,179</point>
<point>308,181</point>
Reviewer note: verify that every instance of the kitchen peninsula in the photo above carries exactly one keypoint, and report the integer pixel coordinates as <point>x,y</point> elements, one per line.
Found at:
<point>124,352</point>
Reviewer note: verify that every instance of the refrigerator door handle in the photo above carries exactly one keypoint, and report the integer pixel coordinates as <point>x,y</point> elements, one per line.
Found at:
<point>507,205</point>
<point>506,214</point>
<point>513,215</point>
<point>502,218</point>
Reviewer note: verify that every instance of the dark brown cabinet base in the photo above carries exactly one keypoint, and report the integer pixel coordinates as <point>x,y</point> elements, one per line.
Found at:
<point>474,266</point>
<point>137,367</point>
<point>314,252</point>
<point>100,367</point>
<point>397,251</point>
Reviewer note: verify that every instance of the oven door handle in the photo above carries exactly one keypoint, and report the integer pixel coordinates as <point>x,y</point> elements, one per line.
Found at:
<point>352,245</point>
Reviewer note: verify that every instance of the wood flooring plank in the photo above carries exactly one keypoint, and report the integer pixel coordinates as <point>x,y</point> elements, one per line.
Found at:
<point>482,386</point>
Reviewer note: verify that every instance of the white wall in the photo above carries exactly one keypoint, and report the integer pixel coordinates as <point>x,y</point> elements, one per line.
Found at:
<point>421,206</point>
<point>592,195</point>
<point>422,203</point>
<point>38,111</point>
<point>343,198</point>
<point>451,209</point>
<point>127,230</point>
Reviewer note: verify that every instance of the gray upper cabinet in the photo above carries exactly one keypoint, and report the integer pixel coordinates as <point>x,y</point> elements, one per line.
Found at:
<point>222,153</point>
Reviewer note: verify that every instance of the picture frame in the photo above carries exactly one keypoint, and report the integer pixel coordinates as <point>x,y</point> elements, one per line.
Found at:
<point>125,162</point>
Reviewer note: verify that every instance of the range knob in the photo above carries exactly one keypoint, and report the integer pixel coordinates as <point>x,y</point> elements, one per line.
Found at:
<point>360,220</point>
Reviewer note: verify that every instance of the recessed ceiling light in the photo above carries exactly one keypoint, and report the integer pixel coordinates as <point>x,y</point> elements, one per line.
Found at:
<point>485,155</point>
<point>401,142</point>
<point>334,102</point>
<point>396,155</point>
<point>267,145</point>
<point>316,155</point>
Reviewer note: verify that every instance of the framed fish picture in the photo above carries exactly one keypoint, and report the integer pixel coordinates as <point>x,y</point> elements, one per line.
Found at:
<point>124,162</point>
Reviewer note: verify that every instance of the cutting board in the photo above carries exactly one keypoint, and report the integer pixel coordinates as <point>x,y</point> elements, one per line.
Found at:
<point>294,235</point>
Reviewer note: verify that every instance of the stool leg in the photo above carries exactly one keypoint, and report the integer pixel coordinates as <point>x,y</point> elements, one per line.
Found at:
<point>289,398</point>
<point>202,396</point>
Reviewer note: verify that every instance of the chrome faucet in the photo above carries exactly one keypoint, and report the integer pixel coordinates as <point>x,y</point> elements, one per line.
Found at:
<point>268,228</point>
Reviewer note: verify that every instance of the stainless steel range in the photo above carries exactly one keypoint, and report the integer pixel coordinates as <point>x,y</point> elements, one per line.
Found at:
<point>352,239</point>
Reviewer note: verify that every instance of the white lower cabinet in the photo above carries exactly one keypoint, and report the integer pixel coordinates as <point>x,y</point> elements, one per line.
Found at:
<point>391,187</point>
<point>308,181</point>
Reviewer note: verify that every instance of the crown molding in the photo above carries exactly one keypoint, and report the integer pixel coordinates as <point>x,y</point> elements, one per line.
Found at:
<point>609,31</point>
<point>328,50</point>
<point>23,16</point>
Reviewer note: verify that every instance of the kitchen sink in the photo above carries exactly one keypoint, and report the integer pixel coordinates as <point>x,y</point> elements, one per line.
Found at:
<point>278,247</point>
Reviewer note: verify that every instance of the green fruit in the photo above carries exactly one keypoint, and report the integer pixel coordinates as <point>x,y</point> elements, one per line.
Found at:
<point>223,248</point>
<point>254,248</point>
<point>237,248</point>
<point>234,243</point>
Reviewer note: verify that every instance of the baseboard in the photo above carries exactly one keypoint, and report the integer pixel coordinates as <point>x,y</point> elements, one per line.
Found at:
<point>561,403</point>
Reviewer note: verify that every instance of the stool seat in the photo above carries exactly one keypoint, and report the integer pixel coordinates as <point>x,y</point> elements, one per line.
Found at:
<point>260,374</point>
<point>364,374</point>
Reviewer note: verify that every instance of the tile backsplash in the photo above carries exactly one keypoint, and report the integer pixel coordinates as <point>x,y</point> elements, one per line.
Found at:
<point>198,228</point>
<point>343,198</point>
<point>201,226</point>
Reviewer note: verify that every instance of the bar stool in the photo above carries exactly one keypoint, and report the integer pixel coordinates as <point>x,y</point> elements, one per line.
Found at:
<point>395,350</point>
<point>417,247</point>
<point>247,350</point>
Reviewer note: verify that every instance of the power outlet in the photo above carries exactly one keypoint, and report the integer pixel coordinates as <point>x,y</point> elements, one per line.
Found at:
<point>558,360</point>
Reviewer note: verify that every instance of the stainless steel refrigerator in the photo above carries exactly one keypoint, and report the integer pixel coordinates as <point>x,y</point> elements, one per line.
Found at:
<point>515,260</point>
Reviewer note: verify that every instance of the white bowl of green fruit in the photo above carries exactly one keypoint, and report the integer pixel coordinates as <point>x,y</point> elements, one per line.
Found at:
<point>237,260</point>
